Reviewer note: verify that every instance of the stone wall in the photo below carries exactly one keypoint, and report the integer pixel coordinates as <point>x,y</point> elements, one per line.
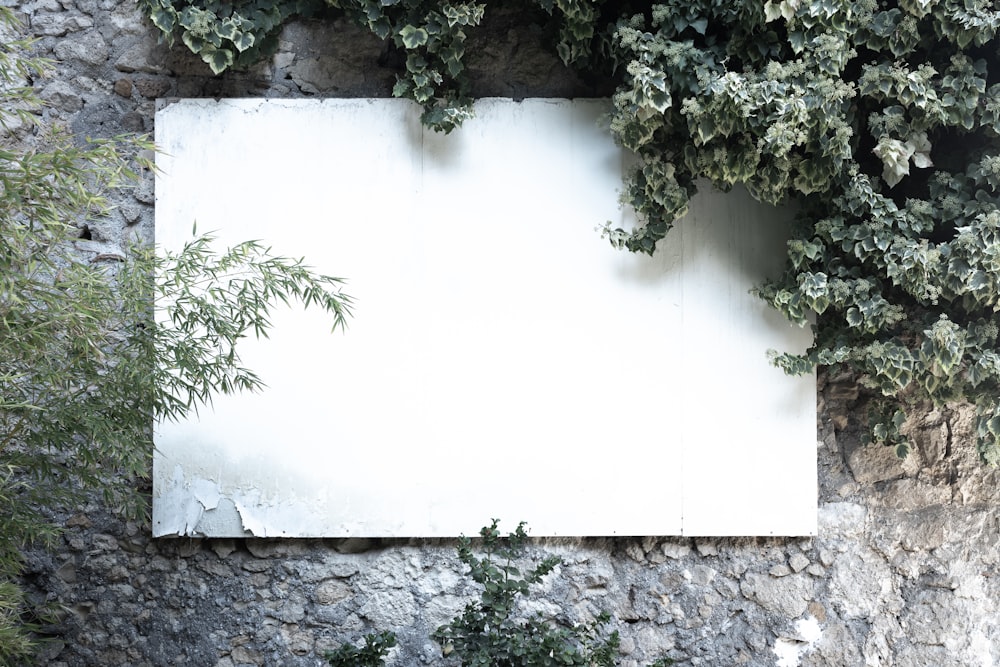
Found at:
<point>904,570</point>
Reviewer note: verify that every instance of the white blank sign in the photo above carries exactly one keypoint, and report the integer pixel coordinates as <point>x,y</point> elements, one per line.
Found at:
<point>503,360</point>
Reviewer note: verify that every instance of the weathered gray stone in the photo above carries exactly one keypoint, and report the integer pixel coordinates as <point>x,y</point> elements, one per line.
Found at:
<point>188,547</point>
<point>58,25</point>
<point>221,547</point>
<point>315,75</point>
<point>151,88</point>
<point>101,542</point>
<point>133,122</point>
<point>145,56</point>
<point>836,646</point>
<point>798,562</point>
<point>846,389</point>
<point>88,7</point>
<point>339,565</point>
<point>389,609</point>
<point>288,612</point>
<point>333,591</point>
<point>700,575</point>
<point>911,494</point>
<point>67,572</point>
<point>297,641</point>
<point>787,596</point>
<point>874,463</point>
<point>256,566</point>
<point>780,570</point>
<point>144,193</point>
<point>675,550</point>
<point>90,48</point>
<point>62,96</point>
<point>816,570</point>
<point>126,18</point>
<point>354,545</point>
<point>841,519</point>
<point>706,548</point>
<point>932,438</point>
<point>272,548</point>
<point>245,656</point>
<point>38,7</point>
<point>864,586</point>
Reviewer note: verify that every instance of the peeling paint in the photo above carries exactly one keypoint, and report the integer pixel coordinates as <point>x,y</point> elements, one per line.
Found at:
<point>207,493</point>
<point>210,507</point>
<point>177,511</point>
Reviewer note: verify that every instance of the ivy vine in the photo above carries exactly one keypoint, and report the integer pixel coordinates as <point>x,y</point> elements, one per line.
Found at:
<point>880,117</point>
<point>431,34</point>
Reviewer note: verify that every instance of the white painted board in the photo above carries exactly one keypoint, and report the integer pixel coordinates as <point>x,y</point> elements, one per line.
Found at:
<point>503,360</point>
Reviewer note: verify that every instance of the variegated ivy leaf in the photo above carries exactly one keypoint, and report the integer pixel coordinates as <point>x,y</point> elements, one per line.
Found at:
<point>227,29</point>
<point>413,37</point>
<point>784,9</point>
<point>194,42</point>
<point>219,60</point>
<point>895,156</point>
<point>244,40</point>
<point>921,146</point>
<point>164,18</point>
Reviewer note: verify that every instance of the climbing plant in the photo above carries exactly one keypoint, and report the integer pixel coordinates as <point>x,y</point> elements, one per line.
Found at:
<point>880,118</point>
<point>431,35</point>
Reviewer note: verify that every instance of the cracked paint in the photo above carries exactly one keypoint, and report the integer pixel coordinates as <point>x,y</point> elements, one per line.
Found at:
<point>192,507</point>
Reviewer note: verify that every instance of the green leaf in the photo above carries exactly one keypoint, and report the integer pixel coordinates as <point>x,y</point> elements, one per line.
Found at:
<point>164,18</point>
<point>993,425</point>
<point>381,27</point>
<point>244,41</point>
<point>227,29</point>
<point>194,42</point>
<point>797,40</point>
<point>413,37</point>
<point>218,59</point>
<point>979,280</point>
<point>401,88</point>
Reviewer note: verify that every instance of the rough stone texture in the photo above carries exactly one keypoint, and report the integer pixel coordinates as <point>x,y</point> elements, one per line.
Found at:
<point>905,570</point>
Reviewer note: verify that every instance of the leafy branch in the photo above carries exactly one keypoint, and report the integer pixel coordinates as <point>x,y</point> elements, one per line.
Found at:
<point>86,366</point>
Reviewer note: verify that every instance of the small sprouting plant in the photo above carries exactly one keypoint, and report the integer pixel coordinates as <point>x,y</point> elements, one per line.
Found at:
<point>489,631</point>
<point>372,654</point>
